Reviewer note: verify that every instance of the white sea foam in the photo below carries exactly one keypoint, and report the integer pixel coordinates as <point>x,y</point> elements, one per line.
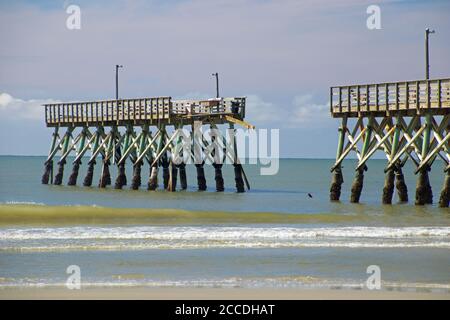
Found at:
<point>191,237</point>
<point>32,203</point>
<point>221,233</point>
<point>233,282</point>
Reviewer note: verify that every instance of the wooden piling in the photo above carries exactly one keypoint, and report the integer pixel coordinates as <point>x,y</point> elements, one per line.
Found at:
<point>73,177</point>
<point>218,177</point>
<point>337,178</point>
<point>60,174</point>
<point>402,189</point>
<point>121,176</point>
<point>90,174</point>
<point>183,178</point>
<point>77,162</point>
<point>105,178</point>
<point>166,172</point>
<point>136,181</point>
<point>424,193</point>
<point>47,172</point>
<point>64,152</point>
<point>201,180</point>
<point>445,193</point>
<point>388,189</point>
<point>173,171</point>
<point>217,161</point>
<point>153,178</point>
<point>357,186</point>
<point>238,178</point>
<point>336,183</point>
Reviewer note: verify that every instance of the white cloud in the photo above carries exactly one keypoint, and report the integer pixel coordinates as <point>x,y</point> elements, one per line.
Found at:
<point>15,108</point>
<point>5,99</point>
<point>258,111</point>
<point>307,112</point>
<point>303,111</point>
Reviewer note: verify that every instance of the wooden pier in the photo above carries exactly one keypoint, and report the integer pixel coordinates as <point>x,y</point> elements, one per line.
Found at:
<point>159,121</point>
<point>405,120</point>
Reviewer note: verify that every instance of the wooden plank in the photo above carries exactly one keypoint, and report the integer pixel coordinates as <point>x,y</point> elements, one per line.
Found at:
<point>96,112</point>
<point>397,97</point>
<point>239,122</point>
<point>349,103</point>
<point>439,94</point>
<point>417,96</point>
<point>377,99</point>
<point>407,95</point>
<point>358,98</point>
<point>386,96</point>
<point>367,98</point>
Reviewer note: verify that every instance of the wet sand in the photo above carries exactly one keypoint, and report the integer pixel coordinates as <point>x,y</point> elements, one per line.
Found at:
<point>213,294</point>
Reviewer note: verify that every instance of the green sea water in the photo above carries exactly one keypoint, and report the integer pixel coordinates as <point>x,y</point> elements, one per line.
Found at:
<point>274,235</point>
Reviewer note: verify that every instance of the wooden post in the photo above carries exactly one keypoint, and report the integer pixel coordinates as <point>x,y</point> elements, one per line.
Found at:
<point>121,177</point>
<point>402,189</point>
<point>198,155</point>
<point>62,162</point>
<point>48,172</point>
<point>359,176</point>
<point>238,171</point>
<point>153,179</point>
<point>91,164</point>
<point>218,163</point>
<point>445,193</point>
<point>105,178</point>
<point>136,181</point>
<point>338,179</point>
<point>182,165</point>
<point>424,194</point>
<point>76,165</point>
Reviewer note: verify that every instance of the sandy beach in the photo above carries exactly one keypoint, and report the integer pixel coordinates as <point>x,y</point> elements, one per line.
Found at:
<point>213,294</point>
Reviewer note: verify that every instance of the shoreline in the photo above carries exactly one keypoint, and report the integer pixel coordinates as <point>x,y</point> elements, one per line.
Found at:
<point>166,293</point>
<point>47,215</point>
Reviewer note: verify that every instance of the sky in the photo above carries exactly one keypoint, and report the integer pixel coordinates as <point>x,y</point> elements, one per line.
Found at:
<point>283,55</point>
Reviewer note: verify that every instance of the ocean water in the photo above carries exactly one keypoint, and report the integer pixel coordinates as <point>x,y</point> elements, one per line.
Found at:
<point>274,235</point>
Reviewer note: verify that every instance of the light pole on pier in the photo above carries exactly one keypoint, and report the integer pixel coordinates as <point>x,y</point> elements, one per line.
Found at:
<point>117,80</point>
<point>217,83</point>
<point>427,55</point>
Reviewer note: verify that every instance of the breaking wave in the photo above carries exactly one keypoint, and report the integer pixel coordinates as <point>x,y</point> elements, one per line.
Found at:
<point>197,237</point>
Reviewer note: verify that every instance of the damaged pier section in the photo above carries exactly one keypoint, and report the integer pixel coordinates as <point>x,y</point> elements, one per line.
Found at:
<point>405,120</point>
<point>165,134</point>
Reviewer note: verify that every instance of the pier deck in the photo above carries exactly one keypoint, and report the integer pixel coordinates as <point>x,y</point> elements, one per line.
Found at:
<point>405,98</point>
<point>151,111</point>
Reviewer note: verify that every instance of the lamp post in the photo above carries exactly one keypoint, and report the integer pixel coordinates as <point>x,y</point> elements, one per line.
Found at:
<point>217,83</point>
<point>427,55</point>
<point>117,80</point>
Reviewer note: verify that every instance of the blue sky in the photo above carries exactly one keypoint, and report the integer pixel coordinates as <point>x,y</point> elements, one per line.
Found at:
<point>284,55</point>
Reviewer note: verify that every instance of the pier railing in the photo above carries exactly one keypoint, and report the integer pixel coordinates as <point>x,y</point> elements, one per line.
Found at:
<point>407,98</point>
<point>149,110</point>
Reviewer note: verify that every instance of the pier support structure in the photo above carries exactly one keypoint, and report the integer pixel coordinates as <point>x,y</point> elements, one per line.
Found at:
<point>404,121</point>
<point>144,131</point>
